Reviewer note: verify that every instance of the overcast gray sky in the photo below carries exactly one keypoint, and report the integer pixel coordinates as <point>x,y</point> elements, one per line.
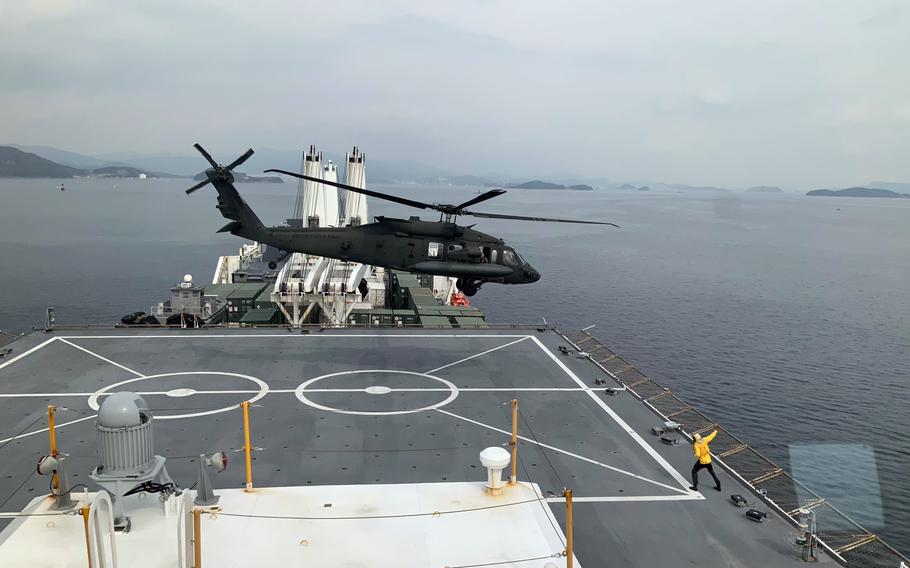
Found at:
<point>805,93</point>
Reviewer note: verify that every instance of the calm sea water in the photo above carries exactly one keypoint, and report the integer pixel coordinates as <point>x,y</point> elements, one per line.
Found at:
<point>784,317</point>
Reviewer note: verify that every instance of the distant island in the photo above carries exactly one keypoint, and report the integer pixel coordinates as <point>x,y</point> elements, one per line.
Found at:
<point>856,192</point>
<point>122,172</point>
<point>644,188</point>
<point>16,163</point>
<point>765,189</point>
<point>626,186</point>
<point>537,184</point>
<point>240,177</point>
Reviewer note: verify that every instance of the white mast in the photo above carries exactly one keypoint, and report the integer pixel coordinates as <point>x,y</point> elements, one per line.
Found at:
<point>354,211</point>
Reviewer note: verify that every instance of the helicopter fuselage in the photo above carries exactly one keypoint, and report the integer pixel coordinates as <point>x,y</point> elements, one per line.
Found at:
<point>413,245</point>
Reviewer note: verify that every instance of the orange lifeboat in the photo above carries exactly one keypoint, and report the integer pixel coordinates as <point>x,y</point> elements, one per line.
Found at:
<point>459,299</point>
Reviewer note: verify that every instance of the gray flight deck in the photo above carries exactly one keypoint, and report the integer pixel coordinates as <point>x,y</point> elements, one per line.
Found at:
<point>366,406</point>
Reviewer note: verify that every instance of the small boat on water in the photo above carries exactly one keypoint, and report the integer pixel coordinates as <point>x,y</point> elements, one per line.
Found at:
<point>61,188</point>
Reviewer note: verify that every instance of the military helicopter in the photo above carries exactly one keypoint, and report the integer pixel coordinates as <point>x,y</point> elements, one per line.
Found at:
<point>441,247</point>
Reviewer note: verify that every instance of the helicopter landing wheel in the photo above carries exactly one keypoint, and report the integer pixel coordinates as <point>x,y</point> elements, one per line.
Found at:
<point>469,288</point>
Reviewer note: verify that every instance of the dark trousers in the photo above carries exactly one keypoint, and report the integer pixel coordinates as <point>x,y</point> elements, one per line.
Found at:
<point>698,466</point>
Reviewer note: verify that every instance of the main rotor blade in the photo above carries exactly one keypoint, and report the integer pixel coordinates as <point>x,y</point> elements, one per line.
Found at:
<point>387,197</point>
<point>197,186</point>
<point>544,219</point>
<point>206,155</point>
<point>482,197</point>
<point>246,156</point>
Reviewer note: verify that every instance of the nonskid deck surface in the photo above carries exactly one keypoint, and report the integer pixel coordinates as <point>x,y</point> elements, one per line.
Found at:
<point>353,407</point>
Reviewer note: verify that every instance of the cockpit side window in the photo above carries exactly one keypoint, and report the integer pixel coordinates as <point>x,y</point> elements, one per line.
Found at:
<point>434,250</point>
<point>509,257</point>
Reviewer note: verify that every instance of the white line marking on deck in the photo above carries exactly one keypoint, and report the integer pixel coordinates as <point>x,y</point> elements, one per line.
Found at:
<point>312,335</point>
<point>105,359</point>
<point>622,423</point>
<point>142,393</point>
<point>27,353</point>
<point>478,354</point>
<point>56,427</point>
<point>632,498</point>
<point>566,452</point>
<point>291,391</point>
<point>469,389</point>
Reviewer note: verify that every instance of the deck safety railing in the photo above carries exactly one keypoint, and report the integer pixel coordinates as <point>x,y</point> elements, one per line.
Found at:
<point>842,537</point>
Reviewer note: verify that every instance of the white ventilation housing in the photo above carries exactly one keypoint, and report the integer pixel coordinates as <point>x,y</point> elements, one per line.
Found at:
<point>495,459</point>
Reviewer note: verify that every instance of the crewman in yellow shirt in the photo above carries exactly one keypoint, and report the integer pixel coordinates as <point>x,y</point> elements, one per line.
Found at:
<point>700,447</point>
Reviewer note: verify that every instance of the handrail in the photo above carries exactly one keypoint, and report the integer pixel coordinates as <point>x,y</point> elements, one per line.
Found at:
<point>185,530</point>
<point>774,471</point>
<point>101,519</point>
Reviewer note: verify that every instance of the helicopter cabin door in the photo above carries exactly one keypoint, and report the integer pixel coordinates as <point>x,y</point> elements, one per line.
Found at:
<point>490,255</point>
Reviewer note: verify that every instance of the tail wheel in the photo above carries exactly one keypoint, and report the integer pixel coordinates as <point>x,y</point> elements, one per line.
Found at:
<point>469,288</point>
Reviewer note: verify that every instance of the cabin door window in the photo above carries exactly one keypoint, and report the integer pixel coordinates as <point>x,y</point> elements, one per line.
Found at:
<point>434,250</point>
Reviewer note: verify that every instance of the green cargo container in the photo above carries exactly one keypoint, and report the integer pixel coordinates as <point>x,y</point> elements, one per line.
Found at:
<point>261,316</point>
<point>264,299</point>
<point>409,317</point>
<point>245,292</point>
<point>435,321</point>
<point>478,322</point>
<point>431,311</point>
<point>421,297</point>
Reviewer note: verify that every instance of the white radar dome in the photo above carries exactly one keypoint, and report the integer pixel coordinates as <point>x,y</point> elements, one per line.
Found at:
<point>122,410</point>
<point>188,278</point>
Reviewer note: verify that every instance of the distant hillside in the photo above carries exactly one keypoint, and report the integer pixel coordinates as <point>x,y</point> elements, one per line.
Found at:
<point>626,186</point>
<point>64,157</point>
<point>892,185</point>
<point>765,189</point>
<point>16,163</point>
<point>685,187</point>
<point>240,177</point>
<point>856,192</point>
<point>536,184</point>
<point>644,188</point>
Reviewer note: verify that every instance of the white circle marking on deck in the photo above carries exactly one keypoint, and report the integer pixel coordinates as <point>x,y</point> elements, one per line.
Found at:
<point>453,393</point>
<point>263,390</point>
<point>178,393</point>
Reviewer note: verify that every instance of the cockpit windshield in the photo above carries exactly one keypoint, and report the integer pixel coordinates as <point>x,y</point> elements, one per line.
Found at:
<point>511,258</point>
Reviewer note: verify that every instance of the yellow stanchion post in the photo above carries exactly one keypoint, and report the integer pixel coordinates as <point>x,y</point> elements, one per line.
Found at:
<point>197,538</point>
<point>246,444</point>
<point>51,410</point>
<point>88,545</point>
<point>52,434</point>
<point>570,544</point>
<point>514,442</point>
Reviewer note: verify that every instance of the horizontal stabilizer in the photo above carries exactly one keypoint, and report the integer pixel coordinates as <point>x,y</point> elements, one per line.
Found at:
<point>229,228</point>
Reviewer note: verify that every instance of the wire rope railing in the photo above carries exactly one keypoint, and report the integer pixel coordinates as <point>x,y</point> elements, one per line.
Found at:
<point>842,537</point>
